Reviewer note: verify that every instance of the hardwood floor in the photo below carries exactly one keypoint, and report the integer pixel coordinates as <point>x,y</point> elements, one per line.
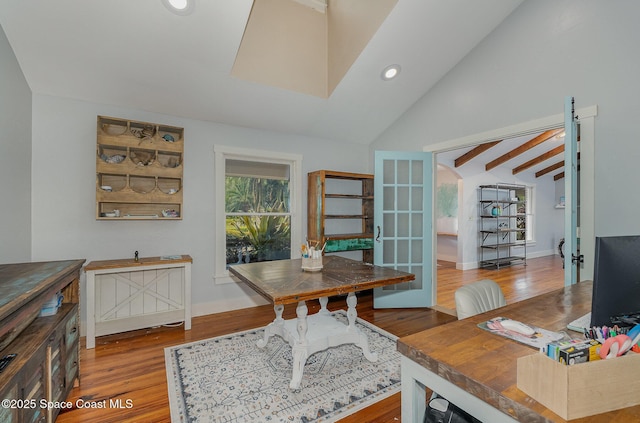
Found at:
<point>518,282</point>
<point>130,366</point>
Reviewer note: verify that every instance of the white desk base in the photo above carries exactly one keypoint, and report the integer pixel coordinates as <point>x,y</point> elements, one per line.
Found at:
<point>310,334</point>
<point>414,380</point>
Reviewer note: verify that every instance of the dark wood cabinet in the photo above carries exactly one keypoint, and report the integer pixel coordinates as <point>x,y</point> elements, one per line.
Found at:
<point>46,364</point>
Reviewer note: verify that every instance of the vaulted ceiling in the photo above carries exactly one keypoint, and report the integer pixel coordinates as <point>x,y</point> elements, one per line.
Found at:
<point>540,154</point>
<point>139,55</point>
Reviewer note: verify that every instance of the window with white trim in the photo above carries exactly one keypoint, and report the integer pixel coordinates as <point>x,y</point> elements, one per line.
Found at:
<point>527,219</point>
<point>258,203</point>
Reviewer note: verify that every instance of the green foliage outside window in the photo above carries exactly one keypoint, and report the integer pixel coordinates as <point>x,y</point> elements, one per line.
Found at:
<point>257,230</point>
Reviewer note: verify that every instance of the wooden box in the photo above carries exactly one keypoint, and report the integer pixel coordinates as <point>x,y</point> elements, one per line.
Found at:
<point>583,389</point>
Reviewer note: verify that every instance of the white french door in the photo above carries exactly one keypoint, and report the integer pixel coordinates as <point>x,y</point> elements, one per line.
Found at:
<point>572,257</point>
<point>403,226</point>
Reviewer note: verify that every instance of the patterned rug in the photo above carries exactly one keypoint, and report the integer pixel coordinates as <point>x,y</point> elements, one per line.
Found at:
<point>229,379</point>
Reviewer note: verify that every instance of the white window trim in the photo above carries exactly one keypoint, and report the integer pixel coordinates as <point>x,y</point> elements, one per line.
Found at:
<point>530,214</point>
<point>221,153</point>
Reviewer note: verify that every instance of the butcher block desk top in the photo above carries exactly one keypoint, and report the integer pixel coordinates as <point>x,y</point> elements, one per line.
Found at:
<point>485,364</point>
<point>284,281</point>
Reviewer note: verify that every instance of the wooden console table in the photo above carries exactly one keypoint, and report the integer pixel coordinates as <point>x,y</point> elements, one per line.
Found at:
<point>46,365</point>
<point>477,370</point>
<point>284,282</point>
<point>126,294</point>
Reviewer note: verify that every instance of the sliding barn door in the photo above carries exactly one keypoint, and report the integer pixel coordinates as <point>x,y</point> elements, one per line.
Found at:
<point>403,226</point>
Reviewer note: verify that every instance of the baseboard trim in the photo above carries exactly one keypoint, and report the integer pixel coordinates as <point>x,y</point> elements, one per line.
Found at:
<point>537,254</point>
<point>213,307</point>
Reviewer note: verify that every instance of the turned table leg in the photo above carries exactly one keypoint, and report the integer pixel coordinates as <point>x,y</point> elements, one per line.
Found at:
<point>323,306</point>
<point>273,328</point>
<point>362,342</point>
<point>299,349</point>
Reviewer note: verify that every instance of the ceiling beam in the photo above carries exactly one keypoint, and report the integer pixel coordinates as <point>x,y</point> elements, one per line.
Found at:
<point>541,158</point>
<point>524,147</point>
<point>474,153</point>
<point>551,168</point>
<point>561,174</point>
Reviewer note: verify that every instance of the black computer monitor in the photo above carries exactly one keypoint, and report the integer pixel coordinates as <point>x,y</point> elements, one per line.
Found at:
<point>616,279</point>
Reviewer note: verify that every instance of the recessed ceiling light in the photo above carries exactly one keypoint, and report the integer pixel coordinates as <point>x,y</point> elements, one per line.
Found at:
<point>179,7</point>
<point>390,72</point>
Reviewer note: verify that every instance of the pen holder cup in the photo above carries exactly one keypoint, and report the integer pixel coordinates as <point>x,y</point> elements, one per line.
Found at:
<point>312,264</point>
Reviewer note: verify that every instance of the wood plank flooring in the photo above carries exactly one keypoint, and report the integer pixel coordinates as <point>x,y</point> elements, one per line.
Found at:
<point>130,366</point>
<point>518,282</point>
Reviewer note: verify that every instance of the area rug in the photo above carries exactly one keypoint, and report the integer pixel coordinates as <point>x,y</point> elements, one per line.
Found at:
<point>229,379</point>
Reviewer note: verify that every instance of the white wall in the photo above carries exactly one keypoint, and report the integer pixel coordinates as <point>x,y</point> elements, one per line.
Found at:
<point>64,224</point>
<point>15,159</point>
<point>544,51</point>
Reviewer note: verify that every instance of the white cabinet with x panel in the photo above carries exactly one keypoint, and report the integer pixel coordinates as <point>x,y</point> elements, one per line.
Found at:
<point>132,294</point>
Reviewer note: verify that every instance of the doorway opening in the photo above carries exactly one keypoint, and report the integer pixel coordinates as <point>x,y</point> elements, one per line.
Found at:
<point>548,195</point>
<point>531,161</point>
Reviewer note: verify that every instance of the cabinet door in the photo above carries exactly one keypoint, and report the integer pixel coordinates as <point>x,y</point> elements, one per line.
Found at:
<point>56,369</point>
<point>71,331</point>
<point>34,388</point>
<point>9,414</point>
<point>71,351</point>
<point>71,369</point>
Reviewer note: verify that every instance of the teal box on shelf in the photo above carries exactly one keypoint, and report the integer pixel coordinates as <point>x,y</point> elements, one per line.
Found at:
<point>51,307</point>
<point>352,244</point>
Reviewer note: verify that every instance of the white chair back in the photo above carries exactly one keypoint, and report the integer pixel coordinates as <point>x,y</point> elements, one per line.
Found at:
<point>478,297</point>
